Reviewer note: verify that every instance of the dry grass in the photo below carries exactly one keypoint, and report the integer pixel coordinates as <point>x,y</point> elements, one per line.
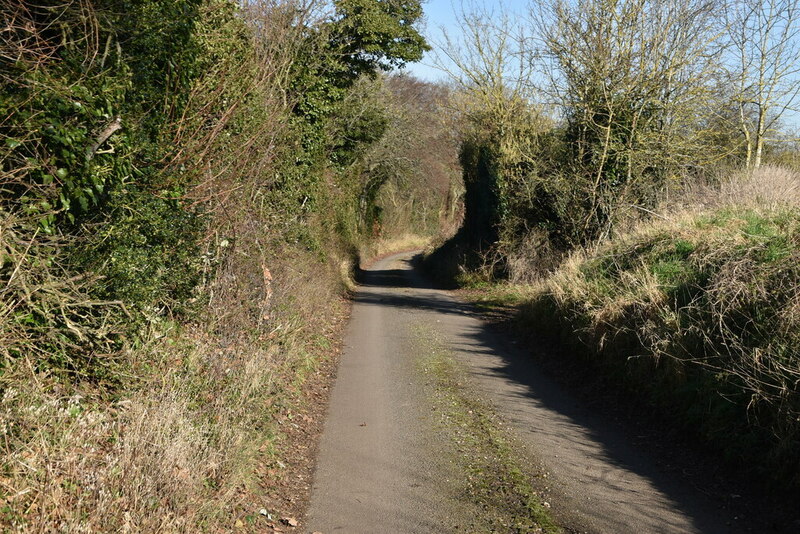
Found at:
<point>179,449</point>
<point>401,243</point>
<point>767,188</point>
<point>528,260</point>
<point>699,310</point>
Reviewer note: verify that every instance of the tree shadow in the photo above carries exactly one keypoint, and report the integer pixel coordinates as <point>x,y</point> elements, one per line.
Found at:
<point>493,357</point>
<point>397,278</point>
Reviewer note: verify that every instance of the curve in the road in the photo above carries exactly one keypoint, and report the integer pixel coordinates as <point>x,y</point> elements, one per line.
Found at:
<point>379,467</point>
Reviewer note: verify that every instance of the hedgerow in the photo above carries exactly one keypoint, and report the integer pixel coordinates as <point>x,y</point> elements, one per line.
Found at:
<point>181,186</point>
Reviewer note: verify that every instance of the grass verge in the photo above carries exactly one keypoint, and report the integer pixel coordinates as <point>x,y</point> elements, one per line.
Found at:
<point>495,481</point>
<point>194,437</point>
<point>698,317</point>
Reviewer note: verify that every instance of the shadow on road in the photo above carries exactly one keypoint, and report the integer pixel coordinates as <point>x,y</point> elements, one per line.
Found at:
<point>606,441</point>
<point>397,278</point>
<point>377,287</point>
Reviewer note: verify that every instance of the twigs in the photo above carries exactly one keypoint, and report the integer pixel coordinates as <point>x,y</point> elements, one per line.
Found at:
<point>44,312</point>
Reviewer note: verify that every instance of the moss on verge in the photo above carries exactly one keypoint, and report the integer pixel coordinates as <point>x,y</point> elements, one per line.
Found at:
<point>494,480</point>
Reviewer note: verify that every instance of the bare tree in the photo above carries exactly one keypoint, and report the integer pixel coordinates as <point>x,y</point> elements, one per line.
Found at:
<point>765,67</point>
<point>632,78</point>
<point>487,60</point>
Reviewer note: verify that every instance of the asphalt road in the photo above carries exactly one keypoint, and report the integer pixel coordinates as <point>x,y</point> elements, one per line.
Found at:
<point>381,466</point>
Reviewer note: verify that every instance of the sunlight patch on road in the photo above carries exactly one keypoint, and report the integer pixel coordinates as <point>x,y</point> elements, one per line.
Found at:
<point>493,478</point>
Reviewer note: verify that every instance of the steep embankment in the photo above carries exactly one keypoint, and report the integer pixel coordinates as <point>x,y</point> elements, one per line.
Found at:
<point>697,315</point>
<point>184,186</point>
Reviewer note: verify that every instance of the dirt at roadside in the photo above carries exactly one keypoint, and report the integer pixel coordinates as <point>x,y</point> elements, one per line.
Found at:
<point>287,483</point>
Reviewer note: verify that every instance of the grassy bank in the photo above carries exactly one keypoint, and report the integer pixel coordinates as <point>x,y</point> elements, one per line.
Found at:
<point>698,317</point>
<point>180,441</point>
<point>694,313</point>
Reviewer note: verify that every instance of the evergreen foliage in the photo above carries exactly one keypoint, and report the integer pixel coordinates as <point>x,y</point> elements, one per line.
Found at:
<point>133,69</point>
<point>182,200</point>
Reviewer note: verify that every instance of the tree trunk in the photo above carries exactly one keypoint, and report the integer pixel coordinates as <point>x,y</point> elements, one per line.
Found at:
<point>759,140</point>
<point>747,137</point>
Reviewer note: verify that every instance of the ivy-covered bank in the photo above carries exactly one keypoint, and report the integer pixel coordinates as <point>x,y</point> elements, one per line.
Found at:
<point>183,186</point>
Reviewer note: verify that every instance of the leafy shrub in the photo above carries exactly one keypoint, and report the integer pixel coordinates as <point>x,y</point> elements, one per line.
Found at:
<point>167,279</point>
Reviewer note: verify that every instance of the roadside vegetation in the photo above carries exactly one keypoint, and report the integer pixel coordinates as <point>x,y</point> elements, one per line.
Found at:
<point>631,189</point>
<point>696,315</point>
<point>185,189</point>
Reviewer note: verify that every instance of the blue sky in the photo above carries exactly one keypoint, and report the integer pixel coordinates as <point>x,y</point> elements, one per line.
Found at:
<point>441,13</point>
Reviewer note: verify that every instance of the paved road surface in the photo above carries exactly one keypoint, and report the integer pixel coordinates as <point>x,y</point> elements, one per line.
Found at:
<point>380,467</point>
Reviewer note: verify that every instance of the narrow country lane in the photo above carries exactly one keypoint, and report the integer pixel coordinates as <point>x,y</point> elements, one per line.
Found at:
<point>382,468</point>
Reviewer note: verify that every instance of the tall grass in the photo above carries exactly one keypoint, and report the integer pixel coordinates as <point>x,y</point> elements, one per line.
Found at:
<point>178,450</point>
<point>697,311</point>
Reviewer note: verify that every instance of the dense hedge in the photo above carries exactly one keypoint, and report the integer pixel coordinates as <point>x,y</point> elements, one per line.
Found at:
<point>129,121</point>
